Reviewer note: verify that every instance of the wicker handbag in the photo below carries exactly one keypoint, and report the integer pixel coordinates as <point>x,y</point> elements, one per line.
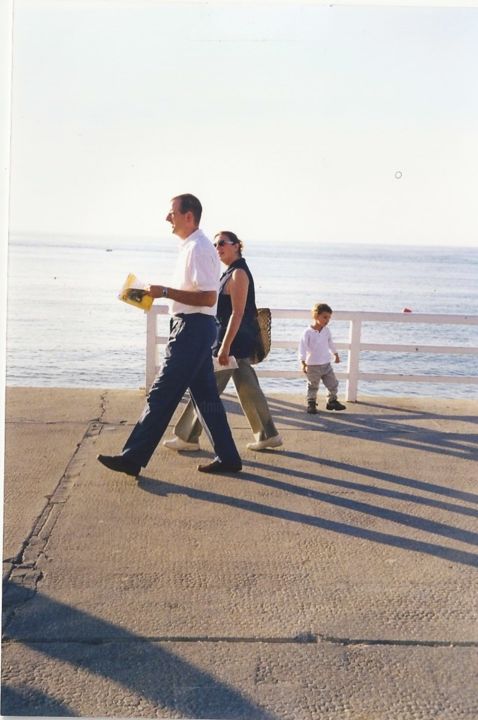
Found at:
<point>263,345</point>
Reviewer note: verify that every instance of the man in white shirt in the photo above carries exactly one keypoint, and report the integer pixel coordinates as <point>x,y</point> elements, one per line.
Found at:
<point>188,358</point>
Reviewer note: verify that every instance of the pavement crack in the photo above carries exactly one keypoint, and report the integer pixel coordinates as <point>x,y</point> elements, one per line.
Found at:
<point>393,642</point>
<point>24,569</point>
<point>308,639</point>
<point>297,639</point>
<point>102,406</point>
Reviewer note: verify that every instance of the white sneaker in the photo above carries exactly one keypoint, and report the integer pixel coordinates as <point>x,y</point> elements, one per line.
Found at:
<point>177,444</point>
<point>271,442</point>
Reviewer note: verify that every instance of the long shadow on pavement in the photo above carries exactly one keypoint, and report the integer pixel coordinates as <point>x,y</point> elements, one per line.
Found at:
<point>436,528</point>
<point>389,478</point>
<point>30,702</point>
<point>141,666</point>
<point>159,487</point>
<point>393,428</point>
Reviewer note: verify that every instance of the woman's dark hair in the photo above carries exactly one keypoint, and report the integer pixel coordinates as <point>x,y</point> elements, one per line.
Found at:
<point>190,203</point>
<point>232,237</point>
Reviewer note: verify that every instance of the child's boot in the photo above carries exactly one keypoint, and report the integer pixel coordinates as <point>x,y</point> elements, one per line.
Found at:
<point>311,407</point>
<point>334,404</point>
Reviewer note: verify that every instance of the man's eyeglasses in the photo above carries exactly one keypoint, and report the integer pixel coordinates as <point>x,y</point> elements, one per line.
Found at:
<point>221,243</point>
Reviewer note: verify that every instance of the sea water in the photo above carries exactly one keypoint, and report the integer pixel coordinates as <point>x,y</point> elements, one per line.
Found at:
<point>66,327</point>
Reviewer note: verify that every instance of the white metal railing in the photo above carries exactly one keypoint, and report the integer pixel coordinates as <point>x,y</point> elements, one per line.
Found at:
<point>354,346</point>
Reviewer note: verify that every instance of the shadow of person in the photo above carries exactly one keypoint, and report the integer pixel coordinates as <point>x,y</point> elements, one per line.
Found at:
<point>28,701</point>
<point>145,668</point>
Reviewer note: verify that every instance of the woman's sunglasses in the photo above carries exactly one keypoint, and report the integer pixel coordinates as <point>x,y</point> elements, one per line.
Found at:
<point>221,243</point>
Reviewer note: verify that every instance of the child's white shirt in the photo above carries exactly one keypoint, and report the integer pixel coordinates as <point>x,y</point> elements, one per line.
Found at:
<point>315,348</point>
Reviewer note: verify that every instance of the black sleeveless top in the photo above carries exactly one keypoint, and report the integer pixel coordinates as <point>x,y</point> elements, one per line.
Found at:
<point>244,343</point>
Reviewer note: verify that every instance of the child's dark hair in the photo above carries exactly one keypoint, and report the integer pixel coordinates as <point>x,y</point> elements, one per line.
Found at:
<point>320,308</point>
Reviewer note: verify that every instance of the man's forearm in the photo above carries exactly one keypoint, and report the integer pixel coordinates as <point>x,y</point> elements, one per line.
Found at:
<point>197,298</point>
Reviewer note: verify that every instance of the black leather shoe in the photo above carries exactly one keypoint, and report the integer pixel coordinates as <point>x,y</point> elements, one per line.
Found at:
<point>216,466</point>
<point>118,463</point>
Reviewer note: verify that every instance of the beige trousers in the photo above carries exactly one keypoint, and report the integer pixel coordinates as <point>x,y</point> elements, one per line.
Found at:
<point>316,373</point>
<point>251,397</point>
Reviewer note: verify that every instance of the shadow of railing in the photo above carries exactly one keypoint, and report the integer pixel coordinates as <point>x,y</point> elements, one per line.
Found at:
<point>450,554</point>
<point>392,428</point>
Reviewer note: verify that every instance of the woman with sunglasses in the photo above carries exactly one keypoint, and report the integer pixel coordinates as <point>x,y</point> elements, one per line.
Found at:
<point>237,336</point>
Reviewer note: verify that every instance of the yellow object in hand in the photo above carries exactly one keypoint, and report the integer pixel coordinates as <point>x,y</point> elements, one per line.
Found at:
<point>133,292</point>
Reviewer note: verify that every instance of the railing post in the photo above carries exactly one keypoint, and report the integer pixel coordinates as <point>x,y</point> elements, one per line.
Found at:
<point>151,332</point>
<point>354,359</point>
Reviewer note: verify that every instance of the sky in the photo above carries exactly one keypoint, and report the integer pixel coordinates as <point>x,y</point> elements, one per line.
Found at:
<point>303,121</point>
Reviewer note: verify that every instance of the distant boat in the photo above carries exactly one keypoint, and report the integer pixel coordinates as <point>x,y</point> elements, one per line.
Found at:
<point>109,249</point>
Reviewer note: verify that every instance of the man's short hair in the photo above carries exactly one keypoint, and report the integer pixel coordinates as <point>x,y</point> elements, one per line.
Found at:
<point>320,308</point>
<point>190,203</point>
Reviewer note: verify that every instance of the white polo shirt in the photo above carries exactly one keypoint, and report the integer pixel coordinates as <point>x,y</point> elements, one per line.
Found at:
<point>316,347</point>
<point>197,268</point>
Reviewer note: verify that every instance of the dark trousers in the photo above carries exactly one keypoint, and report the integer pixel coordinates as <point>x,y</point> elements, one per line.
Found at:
<point>187,364</point>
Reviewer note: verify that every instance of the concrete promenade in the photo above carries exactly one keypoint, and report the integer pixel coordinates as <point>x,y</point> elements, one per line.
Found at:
<point>333,579</point>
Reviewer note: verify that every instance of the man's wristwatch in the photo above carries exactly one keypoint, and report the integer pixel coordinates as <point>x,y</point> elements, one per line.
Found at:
<point>165,292</point>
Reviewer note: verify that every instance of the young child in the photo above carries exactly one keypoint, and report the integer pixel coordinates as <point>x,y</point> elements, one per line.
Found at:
<point>315,348</point>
